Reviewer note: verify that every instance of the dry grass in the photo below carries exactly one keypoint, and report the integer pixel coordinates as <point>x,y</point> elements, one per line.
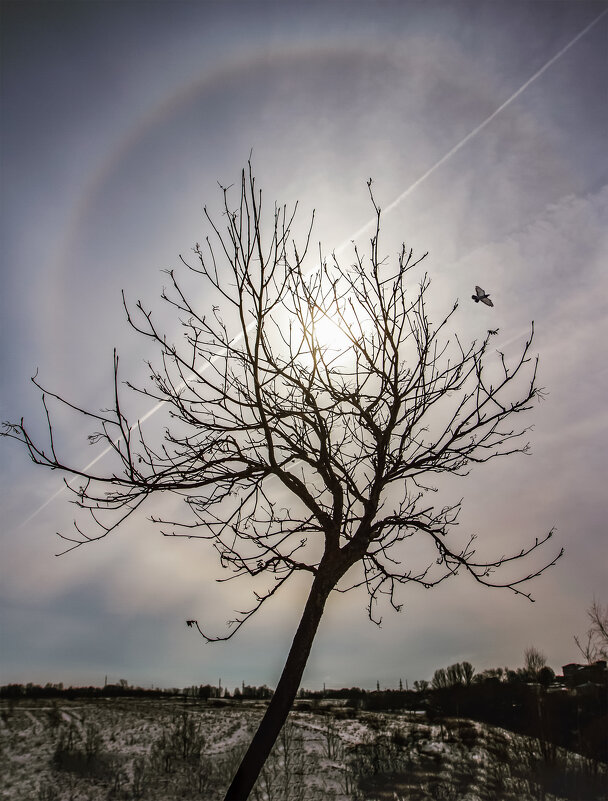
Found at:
<point>162,749</point>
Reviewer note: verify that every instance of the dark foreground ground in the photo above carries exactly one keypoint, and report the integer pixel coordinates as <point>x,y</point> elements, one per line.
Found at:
<point>103,749</point>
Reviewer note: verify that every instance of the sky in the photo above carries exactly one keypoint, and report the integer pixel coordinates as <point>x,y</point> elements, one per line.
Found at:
<point>483,125</point>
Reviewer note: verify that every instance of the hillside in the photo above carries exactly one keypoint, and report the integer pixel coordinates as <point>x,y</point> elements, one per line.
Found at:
<point>165,749</point>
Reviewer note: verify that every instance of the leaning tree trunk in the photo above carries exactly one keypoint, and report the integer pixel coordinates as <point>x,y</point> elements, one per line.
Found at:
<point>282,700</point>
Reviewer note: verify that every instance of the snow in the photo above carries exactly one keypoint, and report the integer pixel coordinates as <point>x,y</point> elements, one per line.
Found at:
<point>368,756</point>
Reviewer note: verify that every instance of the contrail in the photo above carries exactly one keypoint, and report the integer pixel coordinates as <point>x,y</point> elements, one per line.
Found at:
<point>393,205</point>
<point>141,420</point>
<point>474,132</point>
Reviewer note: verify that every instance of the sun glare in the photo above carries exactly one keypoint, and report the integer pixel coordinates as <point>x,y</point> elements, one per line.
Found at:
<point>330,335</point>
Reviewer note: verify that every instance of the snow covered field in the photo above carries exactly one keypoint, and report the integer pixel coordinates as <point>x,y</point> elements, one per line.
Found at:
<point>155,749</point>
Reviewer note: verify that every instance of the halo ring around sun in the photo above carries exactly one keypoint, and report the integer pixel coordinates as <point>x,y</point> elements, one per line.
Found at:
<point>227,77</point>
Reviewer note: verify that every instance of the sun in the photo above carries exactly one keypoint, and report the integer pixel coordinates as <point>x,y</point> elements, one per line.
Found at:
<point>331,335</point>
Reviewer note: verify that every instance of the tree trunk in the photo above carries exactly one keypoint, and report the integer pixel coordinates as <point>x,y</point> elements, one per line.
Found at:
<point>289,683</point>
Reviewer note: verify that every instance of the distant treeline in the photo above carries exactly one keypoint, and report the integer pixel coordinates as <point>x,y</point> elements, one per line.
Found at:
<point>16,691</point>
<point>125,690</point>
<point>569,711</point>
<point>574,718</point>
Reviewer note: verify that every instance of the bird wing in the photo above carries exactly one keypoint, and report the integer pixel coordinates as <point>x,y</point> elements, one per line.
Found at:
<point>479,291</point>
<point>487,301</point>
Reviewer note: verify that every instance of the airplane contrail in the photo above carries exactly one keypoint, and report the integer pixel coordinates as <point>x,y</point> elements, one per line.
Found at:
<point>141,420</point>
<point>475,131</point>
<point>393,205</point>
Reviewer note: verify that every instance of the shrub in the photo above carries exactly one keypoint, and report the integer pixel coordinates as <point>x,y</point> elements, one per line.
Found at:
<point>47,792</point>
<point>54,716</point>
<point>333,741</point>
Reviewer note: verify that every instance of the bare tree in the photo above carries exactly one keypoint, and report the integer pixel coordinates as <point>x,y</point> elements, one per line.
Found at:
<point>440,679</point>
<point>596,646</point>
<point>453,675</point>
<point>534,661</point>
<point>306,440</point>
<point>467,673</point>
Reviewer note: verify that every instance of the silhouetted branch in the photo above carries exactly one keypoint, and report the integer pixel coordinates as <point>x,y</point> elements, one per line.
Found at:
<point>304,421</point>
<point>596,646</point>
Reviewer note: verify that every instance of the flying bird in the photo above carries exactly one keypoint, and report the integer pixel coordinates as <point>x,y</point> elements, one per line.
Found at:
<point>482,296</point>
